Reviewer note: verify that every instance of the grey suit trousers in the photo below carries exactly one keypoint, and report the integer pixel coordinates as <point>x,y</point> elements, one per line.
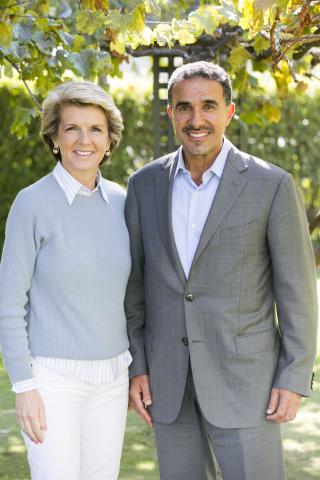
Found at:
<point>187,447</point>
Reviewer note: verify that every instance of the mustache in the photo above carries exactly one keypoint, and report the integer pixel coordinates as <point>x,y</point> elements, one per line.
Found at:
<point>198,129</point>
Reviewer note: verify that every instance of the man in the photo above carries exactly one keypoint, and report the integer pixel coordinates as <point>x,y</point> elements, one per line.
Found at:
<point>218,239</point>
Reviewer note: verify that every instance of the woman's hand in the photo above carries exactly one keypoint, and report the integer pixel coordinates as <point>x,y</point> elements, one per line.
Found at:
<point>31,415</point>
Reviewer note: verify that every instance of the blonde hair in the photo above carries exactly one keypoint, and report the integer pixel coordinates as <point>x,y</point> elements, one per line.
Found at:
<point>79,93</point>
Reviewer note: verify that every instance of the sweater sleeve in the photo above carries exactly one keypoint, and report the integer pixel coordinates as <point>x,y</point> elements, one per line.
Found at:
<point>16,270</point>
<point>25,385</point>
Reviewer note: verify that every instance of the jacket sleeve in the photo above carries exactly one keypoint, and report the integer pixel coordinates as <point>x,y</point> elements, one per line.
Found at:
<point>294,283</point>
<point>135,295</point>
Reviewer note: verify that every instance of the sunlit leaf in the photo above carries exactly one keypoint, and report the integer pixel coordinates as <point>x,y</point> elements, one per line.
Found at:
<point>251,19</point>
<point>183,32</point>
<point>240,80</point>
<point>283,79</point>
<point>6,34</point>
<point>146,36</point>
<point>22,119</point>
<point>162,35</point>
<point>119,21</point>
<point>301,87</point>
<point>152,6</point>
<point>205,19</point>
<point>89,21</point>
<point>238,58</point>
<point>102,5</point>
<point>119,45</point>
<point>228,11</point>
<point>263,4</point>
<point>251,117</point>
<point>78,42</point>
<point>8,70</point>
<point>138,18</point>
<point>272,113</point>
<point>261,44</point>
<point>306,183</point>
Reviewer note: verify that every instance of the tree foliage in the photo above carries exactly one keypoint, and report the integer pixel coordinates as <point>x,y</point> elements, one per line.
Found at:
<point>44,41</point>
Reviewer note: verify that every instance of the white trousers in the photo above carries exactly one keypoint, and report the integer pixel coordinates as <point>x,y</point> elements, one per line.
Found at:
<point>85,428</point>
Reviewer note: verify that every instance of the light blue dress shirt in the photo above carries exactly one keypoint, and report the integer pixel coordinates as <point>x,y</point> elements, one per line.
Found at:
<point>191,204</point>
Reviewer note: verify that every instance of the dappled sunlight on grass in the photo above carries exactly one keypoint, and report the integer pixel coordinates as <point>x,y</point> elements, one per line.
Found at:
<point>309,407</point>
<point>4,433</point>
<point>315,464</point>
<point>291,445</point>
<point>307,424</point>
<point>301,442</point>
<point>16,448</point>
<point>146,466</point>
<point>138,447</point>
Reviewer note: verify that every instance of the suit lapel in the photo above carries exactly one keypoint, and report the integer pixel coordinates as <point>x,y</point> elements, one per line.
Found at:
<point>231,184</point>
<point>163,188</point>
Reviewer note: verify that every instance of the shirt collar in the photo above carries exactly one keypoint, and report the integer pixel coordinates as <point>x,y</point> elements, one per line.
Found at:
<point>216,167</point>
<point>72,187</point>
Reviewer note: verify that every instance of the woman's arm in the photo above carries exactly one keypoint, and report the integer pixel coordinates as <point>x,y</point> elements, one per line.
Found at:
<point>16,271</point>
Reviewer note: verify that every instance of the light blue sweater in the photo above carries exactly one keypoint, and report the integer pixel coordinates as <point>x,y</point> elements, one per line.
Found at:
<point>63,276</point>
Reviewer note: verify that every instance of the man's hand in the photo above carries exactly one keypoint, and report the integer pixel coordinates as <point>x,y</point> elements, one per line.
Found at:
<point>140,397</point>
<point>283,405</point>
<point>31,415</point>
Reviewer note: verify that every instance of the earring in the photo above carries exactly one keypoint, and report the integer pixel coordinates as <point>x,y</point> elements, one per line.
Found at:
<point>107,154</point>
<point>56,150</point>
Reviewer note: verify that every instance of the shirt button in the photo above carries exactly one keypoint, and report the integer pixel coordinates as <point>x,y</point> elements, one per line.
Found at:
<point>185,341</point>
<point>189,297</point>
<point>193,225</point>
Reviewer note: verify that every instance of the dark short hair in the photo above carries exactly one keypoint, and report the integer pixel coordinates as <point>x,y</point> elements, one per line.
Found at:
<point>208,70</point>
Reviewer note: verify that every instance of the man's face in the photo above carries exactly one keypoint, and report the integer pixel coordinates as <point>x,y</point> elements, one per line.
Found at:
<point>199,117</point>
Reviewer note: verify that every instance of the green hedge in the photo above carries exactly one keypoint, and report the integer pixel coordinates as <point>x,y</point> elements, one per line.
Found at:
<point>294,144</point>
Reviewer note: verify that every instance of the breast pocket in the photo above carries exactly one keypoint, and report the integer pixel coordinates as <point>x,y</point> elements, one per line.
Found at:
<point>238,230</point>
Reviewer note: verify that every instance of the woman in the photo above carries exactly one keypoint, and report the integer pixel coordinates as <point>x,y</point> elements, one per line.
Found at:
<point>63,275</point>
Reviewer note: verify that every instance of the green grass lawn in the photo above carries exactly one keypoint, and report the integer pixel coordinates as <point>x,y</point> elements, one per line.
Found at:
<point>301,442</point>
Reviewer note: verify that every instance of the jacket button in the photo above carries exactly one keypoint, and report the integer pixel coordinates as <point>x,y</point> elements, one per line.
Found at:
<point>189,297</point>
<point>185,341</point>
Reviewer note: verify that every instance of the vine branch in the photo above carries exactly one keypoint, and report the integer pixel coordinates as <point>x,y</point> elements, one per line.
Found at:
<point>18,70</point>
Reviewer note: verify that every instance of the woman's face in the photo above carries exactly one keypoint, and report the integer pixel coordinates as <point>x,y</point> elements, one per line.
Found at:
<point>83,138</point>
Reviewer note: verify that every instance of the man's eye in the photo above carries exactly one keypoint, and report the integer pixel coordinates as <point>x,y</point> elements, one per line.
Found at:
<point>183,108</point>
<point>209,106</point>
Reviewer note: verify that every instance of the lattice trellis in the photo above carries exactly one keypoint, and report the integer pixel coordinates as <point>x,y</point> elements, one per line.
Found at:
<point>163,137</point>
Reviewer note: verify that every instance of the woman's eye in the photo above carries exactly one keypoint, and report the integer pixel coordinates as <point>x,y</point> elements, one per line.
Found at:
<point>96,129</point>
<point>70,128</point>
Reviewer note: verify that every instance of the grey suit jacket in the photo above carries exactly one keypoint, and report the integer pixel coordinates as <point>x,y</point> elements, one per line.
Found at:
<point>246,315</point>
